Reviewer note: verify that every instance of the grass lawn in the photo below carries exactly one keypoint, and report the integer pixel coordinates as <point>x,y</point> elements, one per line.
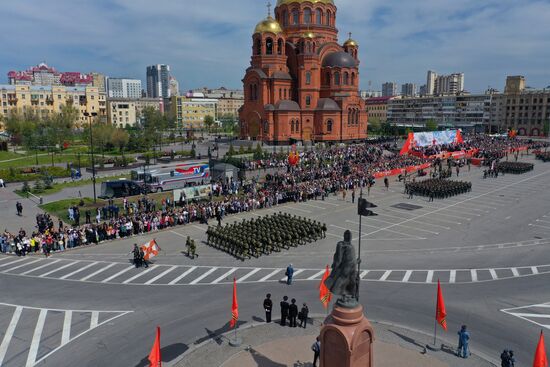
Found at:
<point>60,186</point>
<point>44,159</point>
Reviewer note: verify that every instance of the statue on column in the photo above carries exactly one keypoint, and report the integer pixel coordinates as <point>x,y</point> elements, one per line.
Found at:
<point>343,279</point>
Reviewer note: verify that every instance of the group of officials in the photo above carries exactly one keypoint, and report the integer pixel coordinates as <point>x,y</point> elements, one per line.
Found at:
<point>264,235</point>
<point>289,311</point>
<point>437,188</point>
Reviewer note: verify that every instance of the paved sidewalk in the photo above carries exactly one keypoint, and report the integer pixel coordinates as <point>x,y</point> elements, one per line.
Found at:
<point>270,345</point>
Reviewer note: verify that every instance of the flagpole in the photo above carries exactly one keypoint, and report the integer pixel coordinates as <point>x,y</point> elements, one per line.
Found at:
<point>359,256</point>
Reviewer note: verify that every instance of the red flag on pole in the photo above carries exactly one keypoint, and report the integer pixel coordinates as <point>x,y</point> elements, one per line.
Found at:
<point>441,313</point>
<point>324,294</point>
<point>540,354</point>
<point>234,306</point>
<point>154,356</point>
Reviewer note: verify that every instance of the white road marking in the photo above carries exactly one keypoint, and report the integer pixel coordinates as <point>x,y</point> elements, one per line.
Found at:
<point>534,270</point>
<point>407,276</point>
<point>314,276</point>
<point>94,320</point>
<point>364,274</point>
<point>20,266</point>
<point>409,227</point>
<point>452,276</point>
<point>79,270</point>
<point>203,276</point>
<point>429,276</point>
<point>270,275</point>
<point>536,225</point>
<point>515,272</point>
<point>41,266</point>
<point>180,277</point>
<point>416,221</point>
<point>33,351</point>
<point>66,334</point>
<point>473,273</point>
<point>225,275</point>
<point>296,272</point>
<point>248,275</point>
<point>325,202</point>
<point>12,262</point>
<point>493,274</point>
<point>58,269</point>
<point>118,274</point>
<point>314,206</point>
<point>170,269</point>
<point>9,333</point>
<point>140,274</point>
<point>370,225</point>
<point>385,275</point>
<point>97,272</point>
<point>298,209</point>
<point>534,315</point>
<point>4,258</point>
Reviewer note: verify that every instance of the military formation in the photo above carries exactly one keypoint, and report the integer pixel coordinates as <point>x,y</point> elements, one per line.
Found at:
<point>544,156</point>
<point>515,168</point>
<point>436,188</point>
<point>262,236</point>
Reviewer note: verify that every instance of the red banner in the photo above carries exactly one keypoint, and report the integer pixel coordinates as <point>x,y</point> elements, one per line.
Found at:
<point>399,171</point>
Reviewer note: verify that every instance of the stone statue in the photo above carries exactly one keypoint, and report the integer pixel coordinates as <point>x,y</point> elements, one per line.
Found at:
<point>343,277</point>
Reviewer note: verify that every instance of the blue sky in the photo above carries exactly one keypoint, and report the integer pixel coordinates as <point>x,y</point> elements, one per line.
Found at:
<point>208,42</point>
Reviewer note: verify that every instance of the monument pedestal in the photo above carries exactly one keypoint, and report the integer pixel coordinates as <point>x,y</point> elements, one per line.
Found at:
<point>346,339</point>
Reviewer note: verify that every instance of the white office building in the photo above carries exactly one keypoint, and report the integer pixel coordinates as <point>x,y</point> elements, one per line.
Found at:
<point>124,88</point>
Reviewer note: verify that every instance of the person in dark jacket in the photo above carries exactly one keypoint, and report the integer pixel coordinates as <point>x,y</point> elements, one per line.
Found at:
<point>284,310</point>
<point>268,306</point>
<point>293,313</point>
<point>304,312</point>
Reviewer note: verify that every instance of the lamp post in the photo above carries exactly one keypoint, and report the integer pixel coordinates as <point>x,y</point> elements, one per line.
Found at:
<point>90,118</point>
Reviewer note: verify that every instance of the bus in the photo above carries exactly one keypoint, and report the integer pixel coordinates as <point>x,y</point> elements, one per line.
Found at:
<point>178,177</point>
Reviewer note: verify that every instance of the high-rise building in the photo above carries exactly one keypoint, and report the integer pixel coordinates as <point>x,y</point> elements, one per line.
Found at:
<point>389,89</point>
<point>430,82</point>
<point>174,86</point>
<point>514,84</point>
<point>124,88</point>
<point>423,90</point>
<point>408,90</point>
<point>158,81</point>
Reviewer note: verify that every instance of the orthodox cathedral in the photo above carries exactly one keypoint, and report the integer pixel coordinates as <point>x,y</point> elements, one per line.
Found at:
<point>302,85</point>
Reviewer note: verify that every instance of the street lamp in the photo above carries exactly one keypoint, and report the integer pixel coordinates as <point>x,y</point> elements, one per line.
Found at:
<point>90,118</point>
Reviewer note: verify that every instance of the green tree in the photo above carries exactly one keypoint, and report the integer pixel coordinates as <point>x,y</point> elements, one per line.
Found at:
<point>208,122</point>
<point>374,125</point>
<point>231,151</point>
<point>431,125</point>
<point>258,153</point>
<point>120,139</point>
<point>241,149</point>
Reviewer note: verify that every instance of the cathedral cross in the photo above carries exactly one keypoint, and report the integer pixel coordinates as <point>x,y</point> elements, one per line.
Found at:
<point>268,8</point>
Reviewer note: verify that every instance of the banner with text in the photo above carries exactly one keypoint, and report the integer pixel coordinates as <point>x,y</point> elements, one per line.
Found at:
<point>195,192</point>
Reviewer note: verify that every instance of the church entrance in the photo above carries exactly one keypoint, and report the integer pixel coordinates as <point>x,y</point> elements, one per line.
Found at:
<point>306,134</point>
<point>254,126</point>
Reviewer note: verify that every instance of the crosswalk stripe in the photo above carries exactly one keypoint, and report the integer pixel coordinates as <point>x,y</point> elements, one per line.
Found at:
<point>314,276</point>
<point>66,335</point>
<point>364,274</point>
<point>204,276</point>
<point>140,274</point>
<point>385,275</point>
<point>229,272</point>
<point>3,258</point>
<point>9,333</point>
<point>293,275</point>
<point>515,272</point>
<point>407,276</point>
<point>270,275</point>
<point>182,276</point>
<point>33,351</point>
<point>493,274</point>
<point>534,315</point>
<point>118,274</point>
<point>452,276</point>
<point>48,263</point>
<point>248,275</point>
<point>170,269</point>
<point>473,273</point>
<point>78,270</point>
<point>94,320</point>
<point>534,270</point>
<point>97,272</point>
<point>58,269</point>
<point>12,262</point>
<point>429,276</point>
<point>20,266</point>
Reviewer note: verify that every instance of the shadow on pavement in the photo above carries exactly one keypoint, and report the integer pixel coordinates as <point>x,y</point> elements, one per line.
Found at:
<point>263,361</point>
<point>410,340</point>
<point>168,353</point>
<point>257,319</point>
<point>216,335</point>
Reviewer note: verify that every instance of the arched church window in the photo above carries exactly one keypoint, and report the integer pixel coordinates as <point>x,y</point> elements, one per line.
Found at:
<point>250,92</point>
<point>308,100</point>
<point>328,20</point>
<point>308,77</point>
<point>307,16</point>
<point>329,126</point>
<point>357,117</point>
<point>295,17</point>
<point>319,16</point>
<point>269,46</point>
<point>346,78</point>
<point>337,78</point>
<point>285,18</point>
<point>352,78</point>
<point>327,78</point>
<point>279,46</point>
<point>258,48</point>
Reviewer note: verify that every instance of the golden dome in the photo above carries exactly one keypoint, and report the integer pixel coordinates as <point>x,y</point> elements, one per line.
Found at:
<point>350,43</point>
<point>309,35</point>
<point>283,2</point>
<point>268,25</point>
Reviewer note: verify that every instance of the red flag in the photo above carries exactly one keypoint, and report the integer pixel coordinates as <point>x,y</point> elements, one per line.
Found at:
<point>154,356</point>
<point>324,294</point>
<point>540,354</point>
<point>440,313</point>
<point>408,144</point>
<point>234,306</point>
